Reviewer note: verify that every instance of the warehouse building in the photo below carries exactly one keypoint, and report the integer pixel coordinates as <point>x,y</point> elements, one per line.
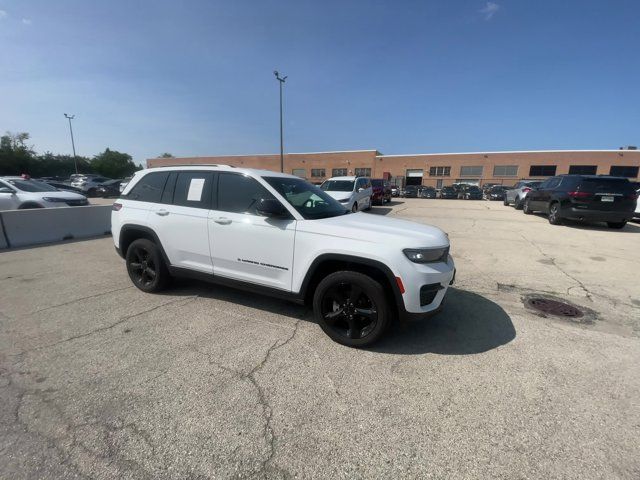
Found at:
<point>435,169</point>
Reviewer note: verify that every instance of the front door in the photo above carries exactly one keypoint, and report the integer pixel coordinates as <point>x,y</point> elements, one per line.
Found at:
<point>244,245</point>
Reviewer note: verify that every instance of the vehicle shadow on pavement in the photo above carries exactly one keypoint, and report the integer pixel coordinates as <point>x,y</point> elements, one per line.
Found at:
<point>469,323</point>
<point>629,227</point>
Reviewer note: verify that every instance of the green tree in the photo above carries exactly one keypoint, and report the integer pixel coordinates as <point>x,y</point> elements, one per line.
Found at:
<point>113,164</point>
<point>166,155</point>
<point>16,157</point>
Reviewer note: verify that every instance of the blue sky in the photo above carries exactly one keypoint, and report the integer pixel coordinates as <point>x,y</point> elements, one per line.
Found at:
<point>195,78</point>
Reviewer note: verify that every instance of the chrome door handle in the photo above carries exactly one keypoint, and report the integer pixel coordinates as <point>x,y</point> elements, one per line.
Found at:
<point>223,221</point>
<point>162,213</point>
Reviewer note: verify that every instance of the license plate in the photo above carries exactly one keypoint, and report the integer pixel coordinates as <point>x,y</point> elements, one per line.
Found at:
<point>607,199</point>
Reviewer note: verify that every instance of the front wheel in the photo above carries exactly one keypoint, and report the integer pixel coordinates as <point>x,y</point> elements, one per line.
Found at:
<point>146,267</point>
<point>554,214</point>
<point>351,308</point>
<point>526,209</point>
<point>616,225</point>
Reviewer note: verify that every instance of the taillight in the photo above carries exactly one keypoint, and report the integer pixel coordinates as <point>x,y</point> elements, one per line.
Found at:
<point>526,189</point>
<point>580,194</point>
<point>117,207</point>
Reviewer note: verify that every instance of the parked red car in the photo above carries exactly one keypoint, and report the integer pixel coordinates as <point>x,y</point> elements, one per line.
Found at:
<point>381,191</point>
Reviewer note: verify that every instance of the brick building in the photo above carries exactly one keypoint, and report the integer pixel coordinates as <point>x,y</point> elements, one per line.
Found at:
<point>435,169</point>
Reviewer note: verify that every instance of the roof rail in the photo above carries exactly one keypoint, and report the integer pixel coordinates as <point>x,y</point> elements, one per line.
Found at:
<point>197,165</point>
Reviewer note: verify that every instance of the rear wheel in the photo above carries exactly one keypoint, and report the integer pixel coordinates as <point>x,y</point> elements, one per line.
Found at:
<point>505,202</point>
<point>518,204</point>
<point>146,267</point>
<point>616,225</point>
<point>351,308</point>
<point>554,214</point>
<point>354,207</point>
<point>525,207</point>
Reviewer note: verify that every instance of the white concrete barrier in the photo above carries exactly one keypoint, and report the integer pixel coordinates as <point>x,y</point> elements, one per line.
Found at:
<point>45,225</point>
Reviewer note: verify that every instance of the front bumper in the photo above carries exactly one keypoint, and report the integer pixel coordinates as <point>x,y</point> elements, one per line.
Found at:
<point>428,283</point>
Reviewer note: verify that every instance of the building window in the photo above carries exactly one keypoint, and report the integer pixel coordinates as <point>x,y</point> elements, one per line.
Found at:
<point>363,172</point>
<point>317,172</point>
<point>475,171</point>
<point>583,169</point>
<point>299,172</point>
<point>339,172</point>
<point>542,170</point>
<point>439,171</point>
<point>505,171</point>
<point>620,171</point>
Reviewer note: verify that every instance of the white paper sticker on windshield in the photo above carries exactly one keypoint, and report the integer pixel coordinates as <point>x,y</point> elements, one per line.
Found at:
<point>195,189</point>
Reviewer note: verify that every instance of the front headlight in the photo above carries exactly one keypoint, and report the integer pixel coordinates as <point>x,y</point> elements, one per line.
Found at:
<point>53,199</point>
<point>427,255</point>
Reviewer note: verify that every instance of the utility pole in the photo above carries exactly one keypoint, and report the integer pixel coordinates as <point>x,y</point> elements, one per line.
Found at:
<point>281,80</point>
<point>73,145</point>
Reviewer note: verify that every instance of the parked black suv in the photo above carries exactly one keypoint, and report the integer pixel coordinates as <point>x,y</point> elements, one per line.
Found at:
<point>448,192</point>
<point>596,198</point>
<point>428,192</point>
<point>472,192</point>
<point>411,191</point>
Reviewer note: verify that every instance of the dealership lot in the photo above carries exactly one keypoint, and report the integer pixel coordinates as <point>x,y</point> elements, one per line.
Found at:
<point>101,380</point>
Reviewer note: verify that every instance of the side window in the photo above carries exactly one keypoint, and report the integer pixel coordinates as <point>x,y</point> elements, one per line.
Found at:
<point>554,182</point>
<point>361,183</point>
<point>149,188</point>
<point>193,189</point>
<point>239,193</point>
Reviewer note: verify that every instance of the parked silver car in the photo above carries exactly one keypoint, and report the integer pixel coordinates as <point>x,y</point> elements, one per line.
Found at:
<point>516,195</point>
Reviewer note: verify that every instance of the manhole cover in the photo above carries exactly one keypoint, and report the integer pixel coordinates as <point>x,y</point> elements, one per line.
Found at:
<point>553,307</point>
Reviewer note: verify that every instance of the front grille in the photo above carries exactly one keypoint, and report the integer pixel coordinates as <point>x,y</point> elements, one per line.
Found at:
<point>428,293</point>
<point>77,203</point>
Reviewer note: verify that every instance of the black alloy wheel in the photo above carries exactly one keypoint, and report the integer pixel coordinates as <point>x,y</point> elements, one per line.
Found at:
<point>554,214</point>
<point>351,308</point>
<point>145,266</point>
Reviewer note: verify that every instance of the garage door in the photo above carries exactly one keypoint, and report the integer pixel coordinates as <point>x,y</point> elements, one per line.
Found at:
<point>414,177</point>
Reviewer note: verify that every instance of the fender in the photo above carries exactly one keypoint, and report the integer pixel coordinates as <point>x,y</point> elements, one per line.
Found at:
<point>354,260</point>
<point>128,227</point>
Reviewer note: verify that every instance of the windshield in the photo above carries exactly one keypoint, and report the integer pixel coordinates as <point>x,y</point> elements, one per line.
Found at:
<point>337,186</point>
<point>309,200</point>
<point>31,186</point>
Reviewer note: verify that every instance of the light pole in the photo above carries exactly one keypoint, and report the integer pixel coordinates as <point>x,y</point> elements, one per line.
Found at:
<point>73,145</point>
<point>281,80</point>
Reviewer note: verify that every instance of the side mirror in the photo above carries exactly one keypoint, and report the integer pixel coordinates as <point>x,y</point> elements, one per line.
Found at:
<point>7,190</point>
<point>270,207</point>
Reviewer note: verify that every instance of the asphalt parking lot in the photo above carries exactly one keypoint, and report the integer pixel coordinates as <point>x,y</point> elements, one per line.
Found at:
<point>99,380</point>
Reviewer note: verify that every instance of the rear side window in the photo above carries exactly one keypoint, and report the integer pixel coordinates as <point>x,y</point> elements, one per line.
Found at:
<point>193,189</point>
<point>149,188</point>
<point>606,185</point>
<point>239,193</point>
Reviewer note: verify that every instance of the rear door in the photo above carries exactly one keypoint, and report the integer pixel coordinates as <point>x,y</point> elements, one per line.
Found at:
<point>246,246</point>
<point>180,219</point>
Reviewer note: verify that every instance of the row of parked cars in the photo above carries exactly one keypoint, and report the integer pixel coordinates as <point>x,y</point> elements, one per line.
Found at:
<point>594,198</point>
<point>455,191</point>
<point>20,192</point>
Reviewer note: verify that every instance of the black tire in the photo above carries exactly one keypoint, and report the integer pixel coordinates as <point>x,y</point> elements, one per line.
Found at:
<point>354,207</point>
<point>518,204</point>
<point>616,225</point>
<point>525,207</point>
<point>351,308</point>
<point>369,206</point>
<point>146,267</point>
<point>554,214</point>
<point>505,202</point>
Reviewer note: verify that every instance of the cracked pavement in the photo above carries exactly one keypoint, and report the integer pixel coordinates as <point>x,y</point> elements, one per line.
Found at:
<point>99,380</point>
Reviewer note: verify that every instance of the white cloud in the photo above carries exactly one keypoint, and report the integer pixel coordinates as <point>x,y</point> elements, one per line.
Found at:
<point>26,21</point>
<point>489,10</point>
<point>2,14</point>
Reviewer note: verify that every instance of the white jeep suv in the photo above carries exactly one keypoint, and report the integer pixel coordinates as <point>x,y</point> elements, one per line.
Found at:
<point>278,234</point>
<point>353,192</point>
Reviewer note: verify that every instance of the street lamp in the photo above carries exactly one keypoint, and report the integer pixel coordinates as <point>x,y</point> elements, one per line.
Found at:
<point>73,145</point>
<point>281,80</point>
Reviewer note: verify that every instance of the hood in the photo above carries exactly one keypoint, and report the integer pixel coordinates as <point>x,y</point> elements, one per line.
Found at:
<point>377,229</point>
<point>338,195</point>
<point>66,195</point>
